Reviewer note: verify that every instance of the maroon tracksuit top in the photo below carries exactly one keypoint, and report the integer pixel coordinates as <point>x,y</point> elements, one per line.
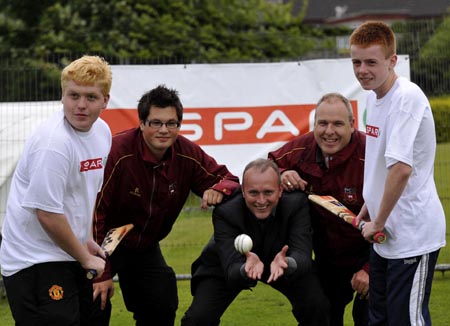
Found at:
<point>336,243</point>
<point>138,189</point>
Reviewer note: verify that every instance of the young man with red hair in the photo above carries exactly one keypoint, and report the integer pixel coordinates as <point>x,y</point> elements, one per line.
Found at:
<point>399,190</point>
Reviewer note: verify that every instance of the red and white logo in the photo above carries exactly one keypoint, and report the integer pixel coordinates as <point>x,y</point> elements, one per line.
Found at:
<point>372,131</point>
<point>92,164</point>
<point>233,125</point>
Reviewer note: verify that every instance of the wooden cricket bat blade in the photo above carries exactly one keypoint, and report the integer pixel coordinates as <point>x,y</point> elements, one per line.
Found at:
<point>110,243</point>
<point>337,208</point>
<point>334,206</point>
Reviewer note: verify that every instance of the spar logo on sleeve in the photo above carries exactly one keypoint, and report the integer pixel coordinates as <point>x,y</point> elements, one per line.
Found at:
<point>91,164</point>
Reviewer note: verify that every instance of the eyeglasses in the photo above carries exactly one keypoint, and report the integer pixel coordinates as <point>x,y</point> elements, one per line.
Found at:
<point>156,124</point>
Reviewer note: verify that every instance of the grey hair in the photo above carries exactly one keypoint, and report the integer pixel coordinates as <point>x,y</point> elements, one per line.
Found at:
<point>331,97</point>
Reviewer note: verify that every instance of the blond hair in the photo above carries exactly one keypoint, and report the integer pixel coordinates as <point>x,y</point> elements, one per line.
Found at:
<point>88,70</point>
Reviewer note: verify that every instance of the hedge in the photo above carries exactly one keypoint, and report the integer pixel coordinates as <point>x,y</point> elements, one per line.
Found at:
<point>441,112</point>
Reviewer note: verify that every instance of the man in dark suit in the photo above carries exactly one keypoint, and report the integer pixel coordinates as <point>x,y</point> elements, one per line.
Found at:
<point>279,225</point>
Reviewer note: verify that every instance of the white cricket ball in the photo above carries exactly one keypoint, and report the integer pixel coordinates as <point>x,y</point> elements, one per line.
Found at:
<point>243,243</point>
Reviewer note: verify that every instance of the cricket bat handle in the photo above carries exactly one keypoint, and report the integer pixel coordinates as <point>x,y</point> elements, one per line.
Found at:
<point>110,243</point>
<point>378,237</point>
<point>91,274</point>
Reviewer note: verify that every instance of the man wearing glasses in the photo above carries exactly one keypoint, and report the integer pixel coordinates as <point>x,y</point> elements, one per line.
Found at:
<point>149,174</point>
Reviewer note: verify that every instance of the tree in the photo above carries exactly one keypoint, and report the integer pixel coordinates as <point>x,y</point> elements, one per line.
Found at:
<point>196,30</point>
<point>427,42</point>
<point>50,33</point>
<point>18,21</point>
<point>438,46</point>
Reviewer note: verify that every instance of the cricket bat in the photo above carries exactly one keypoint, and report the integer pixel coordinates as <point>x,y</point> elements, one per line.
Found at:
<point>337,208</point>
<point>110,243</point>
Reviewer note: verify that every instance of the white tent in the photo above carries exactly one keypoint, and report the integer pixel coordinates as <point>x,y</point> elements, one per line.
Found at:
<point>17,122</point>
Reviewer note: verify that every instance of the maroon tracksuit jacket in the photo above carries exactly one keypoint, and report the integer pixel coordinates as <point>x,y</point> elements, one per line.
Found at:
<point>149,194</point>
<point>336,243</point>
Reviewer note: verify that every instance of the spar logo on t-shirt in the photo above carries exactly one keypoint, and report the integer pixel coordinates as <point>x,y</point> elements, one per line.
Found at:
<point>91,164</point>
<point>372,131</point>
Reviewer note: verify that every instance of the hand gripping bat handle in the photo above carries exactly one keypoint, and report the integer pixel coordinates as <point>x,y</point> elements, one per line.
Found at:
<point>378,237</point>
<point>91,274</point>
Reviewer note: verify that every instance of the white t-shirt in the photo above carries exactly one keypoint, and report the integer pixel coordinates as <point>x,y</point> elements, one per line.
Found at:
<point>59,171</point>
<point>400,128</point>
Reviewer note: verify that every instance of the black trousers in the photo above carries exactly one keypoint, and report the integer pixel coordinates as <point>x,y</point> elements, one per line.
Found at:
<point>148,285</point>
<point>55,293</point>
<point>212,296</point>
<point>337,286</point>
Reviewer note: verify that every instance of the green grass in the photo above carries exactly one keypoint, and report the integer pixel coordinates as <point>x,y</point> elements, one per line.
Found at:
<point>442,179</point>
<point>263,305</point>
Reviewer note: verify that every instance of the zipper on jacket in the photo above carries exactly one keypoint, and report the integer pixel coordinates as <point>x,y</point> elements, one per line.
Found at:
<point>150,204</point>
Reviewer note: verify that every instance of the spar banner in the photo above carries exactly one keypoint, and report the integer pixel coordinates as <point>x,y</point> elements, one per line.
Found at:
<point>240,112</point>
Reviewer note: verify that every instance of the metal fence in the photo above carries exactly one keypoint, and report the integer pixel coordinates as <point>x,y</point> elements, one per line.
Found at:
<point>10,74</point>
<point>35,77</point>
<point>40,82</point>
<point>20,83</point>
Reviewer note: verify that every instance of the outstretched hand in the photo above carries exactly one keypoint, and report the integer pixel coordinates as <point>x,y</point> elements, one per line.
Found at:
<point>254,267</point>
<point>278,265</point>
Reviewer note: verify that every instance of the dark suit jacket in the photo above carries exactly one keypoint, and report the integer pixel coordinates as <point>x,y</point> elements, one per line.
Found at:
<point>290,225</point>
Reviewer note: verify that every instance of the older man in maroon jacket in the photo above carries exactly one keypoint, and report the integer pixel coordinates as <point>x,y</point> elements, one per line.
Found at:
<point>330,161</point>
<point>150,173</point>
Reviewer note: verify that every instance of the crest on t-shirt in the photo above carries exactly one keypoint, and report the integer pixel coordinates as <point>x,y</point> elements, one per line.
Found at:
<point>56,292</point>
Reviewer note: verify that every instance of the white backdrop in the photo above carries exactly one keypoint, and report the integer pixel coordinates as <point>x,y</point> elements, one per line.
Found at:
<point>236,112</point>
<point>222,87</point>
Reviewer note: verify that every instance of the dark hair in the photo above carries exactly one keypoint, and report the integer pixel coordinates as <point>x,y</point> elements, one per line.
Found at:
<point>160,97</point>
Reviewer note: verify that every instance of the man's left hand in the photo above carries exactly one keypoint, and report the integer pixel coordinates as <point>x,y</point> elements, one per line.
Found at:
<point>278,265</point>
